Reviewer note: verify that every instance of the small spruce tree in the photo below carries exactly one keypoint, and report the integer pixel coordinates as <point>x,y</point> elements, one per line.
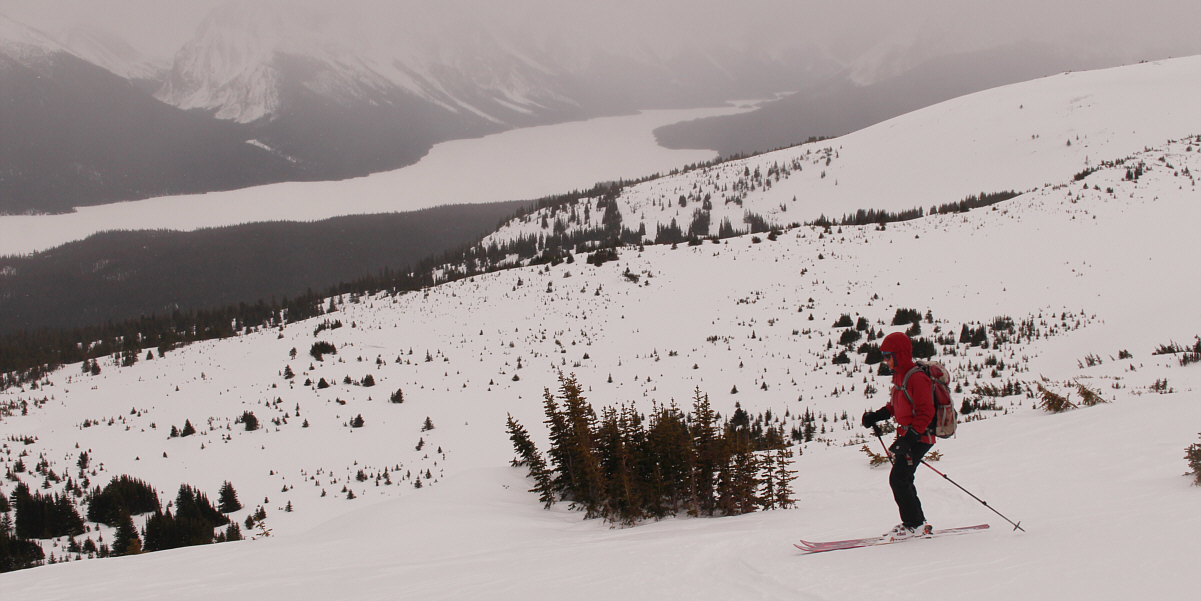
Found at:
<point>126,541</point>
<point>1192,454</point>
<point>227,500</point>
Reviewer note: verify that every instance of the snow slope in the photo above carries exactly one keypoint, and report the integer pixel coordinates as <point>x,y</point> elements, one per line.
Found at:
<point>1092,266</point>
<point>1017,137</point>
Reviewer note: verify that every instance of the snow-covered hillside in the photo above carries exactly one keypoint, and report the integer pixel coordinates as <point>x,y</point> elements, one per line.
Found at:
<point>1076,281</point>
<point>1018,137</point>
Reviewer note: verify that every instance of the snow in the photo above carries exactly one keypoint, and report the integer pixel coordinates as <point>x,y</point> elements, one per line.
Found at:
<point>518,164</point>
<point>1017,137</point>
<point>1099,490</point>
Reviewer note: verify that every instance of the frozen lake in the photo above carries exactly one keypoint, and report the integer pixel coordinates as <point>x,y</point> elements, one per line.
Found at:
<point>515,165</point>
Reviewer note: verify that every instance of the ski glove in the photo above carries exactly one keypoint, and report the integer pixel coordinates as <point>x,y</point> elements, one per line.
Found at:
<point>871,417</point>
<point>904,444</point>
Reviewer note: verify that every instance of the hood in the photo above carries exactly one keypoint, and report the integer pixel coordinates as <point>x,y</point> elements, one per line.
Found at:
<point>899,345</point>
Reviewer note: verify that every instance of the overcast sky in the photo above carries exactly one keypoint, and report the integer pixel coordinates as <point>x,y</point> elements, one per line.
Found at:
<point>844,27</point>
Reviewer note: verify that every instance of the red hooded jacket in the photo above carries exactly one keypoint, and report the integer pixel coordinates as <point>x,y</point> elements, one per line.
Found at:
<point>920,413</point>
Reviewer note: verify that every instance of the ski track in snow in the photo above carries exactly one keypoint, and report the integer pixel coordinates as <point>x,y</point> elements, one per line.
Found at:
<point>1099,490</point>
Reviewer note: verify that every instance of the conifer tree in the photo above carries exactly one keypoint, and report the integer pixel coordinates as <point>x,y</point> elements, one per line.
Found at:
<point>227,499</point>
<point>621,499</point>
<point>126,541</point>
<point>745,480</point>
<point>586,483</point>
<point>708,450</point>
<point>557,453</point>
<point>664,458</point>
<point>784,477</point>
<point>249,421</point>
<point>528,455</point>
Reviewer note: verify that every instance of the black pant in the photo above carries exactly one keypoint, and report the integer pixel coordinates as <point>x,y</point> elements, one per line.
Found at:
<point>903,490</point>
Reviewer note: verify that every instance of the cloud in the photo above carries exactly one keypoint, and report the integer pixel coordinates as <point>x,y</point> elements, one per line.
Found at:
<point>846,29</point>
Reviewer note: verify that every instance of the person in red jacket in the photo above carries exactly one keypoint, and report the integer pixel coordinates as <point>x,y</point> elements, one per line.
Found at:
<point>914,438</point>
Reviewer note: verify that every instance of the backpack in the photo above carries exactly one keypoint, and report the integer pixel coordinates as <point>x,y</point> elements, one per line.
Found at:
<point>946,418</point>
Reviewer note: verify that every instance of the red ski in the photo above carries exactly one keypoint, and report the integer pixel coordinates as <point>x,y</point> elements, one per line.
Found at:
<point>810,547</point>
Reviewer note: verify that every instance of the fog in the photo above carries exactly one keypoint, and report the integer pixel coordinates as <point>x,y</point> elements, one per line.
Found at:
<point>845,31</point>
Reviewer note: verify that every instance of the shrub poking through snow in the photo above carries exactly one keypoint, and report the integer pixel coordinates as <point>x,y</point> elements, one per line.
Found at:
<point>1051,401</point>
<point>1088,396</point>
<point>874,459</point>
<point>1192,454</point>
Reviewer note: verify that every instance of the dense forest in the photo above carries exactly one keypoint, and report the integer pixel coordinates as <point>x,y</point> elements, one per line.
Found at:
<point>114,276</point>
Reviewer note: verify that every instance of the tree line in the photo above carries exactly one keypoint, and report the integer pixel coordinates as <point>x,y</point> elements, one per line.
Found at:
<point>874,217</point>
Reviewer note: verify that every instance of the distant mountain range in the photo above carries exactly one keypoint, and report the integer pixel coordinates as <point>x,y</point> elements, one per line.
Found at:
<point>255,98</point>
<point>266,92</point>
<point>78,134</point>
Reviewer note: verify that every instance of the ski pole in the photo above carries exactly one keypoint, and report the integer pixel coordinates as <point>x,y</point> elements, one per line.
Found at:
<point>1017,526</point>
<point>876,431</point>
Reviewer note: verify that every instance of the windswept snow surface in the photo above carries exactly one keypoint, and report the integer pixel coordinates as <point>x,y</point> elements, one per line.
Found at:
<point>1092,268</point>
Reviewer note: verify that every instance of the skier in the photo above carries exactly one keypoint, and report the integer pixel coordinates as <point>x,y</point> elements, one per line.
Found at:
<point>913,438</point>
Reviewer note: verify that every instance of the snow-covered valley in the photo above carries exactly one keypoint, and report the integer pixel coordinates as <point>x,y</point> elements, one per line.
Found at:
<point>518,164</point>
<point>1079,280</point>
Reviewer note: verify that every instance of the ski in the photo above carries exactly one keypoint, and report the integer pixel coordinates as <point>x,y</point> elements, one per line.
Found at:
<point>810,547</point>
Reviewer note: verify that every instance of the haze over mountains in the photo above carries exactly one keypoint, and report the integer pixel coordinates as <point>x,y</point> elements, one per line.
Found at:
<point>277,101</point>
<point>263,91</point>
